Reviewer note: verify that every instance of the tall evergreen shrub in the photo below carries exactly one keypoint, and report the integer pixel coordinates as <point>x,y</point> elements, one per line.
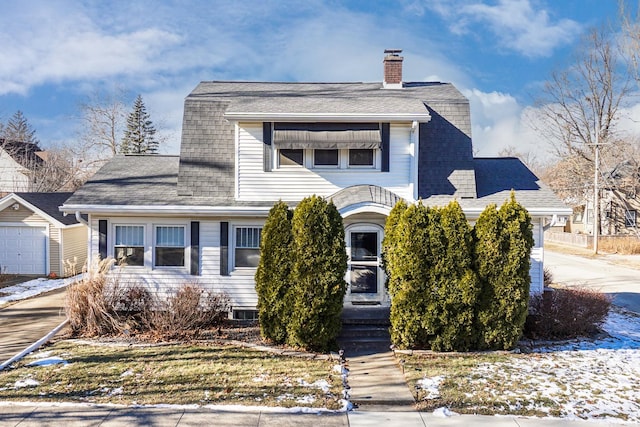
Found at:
<point>504,241</point>
<point>320,264</point>
<point>409,266</point>
<point>454,282</point>
<point>273,276</point>
<point>390,245</point>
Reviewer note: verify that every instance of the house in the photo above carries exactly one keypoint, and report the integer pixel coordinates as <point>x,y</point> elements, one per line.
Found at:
<point>619,200</point>
<point>246,145</point>
<point>37,239</point>
<point>18,160</point>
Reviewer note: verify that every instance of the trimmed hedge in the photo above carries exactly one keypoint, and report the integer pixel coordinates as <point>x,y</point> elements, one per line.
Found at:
<point>453,288</point>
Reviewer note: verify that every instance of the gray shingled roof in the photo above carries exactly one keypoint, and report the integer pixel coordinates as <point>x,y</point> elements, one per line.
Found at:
<point>49,204</point>
<point>309,98</point>
<point>496,177</point>
<point>22,152</point>
<point>152,180</point>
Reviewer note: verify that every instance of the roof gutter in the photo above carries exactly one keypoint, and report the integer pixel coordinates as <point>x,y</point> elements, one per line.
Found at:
<point>537,212</point>
<point>327,117</point>
<point>167,210</point>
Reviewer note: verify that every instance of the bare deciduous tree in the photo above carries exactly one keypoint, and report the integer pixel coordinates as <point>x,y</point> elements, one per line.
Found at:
<point>102,124</point>
<point>582,105</point>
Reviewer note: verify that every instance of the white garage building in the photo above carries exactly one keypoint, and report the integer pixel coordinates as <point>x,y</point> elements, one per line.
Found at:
<point>36,238</point>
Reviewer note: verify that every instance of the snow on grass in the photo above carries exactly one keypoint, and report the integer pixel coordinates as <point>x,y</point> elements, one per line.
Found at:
<point>28,382</point>
<point>430,386</point>
<point>32,288</point>
<point>48,361</point>
<point>583,378</point>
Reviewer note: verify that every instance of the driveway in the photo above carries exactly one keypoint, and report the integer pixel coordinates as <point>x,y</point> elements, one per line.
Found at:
<point>622,283</point>
<point>25,322</point>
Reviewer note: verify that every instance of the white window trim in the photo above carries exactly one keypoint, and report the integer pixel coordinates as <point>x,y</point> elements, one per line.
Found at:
<point>149,242</point>
<point>308,162</point>
<point>111,248</point>
<point>232,249</point>
<point>186,247</point>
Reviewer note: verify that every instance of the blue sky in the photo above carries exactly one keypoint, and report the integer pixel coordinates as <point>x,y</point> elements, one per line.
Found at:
<point>55,53</point>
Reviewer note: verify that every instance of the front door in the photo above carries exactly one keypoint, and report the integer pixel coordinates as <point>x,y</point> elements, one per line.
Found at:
<point>364,276</point>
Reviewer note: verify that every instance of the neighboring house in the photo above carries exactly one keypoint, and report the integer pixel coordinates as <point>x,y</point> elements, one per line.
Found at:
<point>18,161</point>
<point>619,199</point>
<point>36,238</point>
<point>245,145</point>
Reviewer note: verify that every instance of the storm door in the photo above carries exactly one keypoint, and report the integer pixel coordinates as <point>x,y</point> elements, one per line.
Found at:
<point>364,275</point>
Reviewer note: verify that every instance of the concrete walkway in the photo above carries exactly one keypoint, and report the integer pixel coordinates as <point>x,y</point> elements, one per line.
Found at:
<point>32,415</point>
<point>27,321</point>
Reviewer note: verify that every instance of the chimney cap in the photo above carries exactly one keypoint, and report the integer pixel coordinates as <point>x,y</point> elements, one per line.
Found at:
<point>393,52</point>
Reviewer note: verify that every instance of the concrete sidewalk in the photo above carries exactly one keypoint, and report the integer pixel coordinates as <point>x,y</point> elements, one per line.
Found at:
<point>27,321</point>
<point>27,415</point>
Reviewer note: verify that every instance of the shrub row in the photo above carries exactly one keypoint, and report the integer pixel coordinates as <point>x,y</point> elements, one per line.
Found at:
<point>99,304</point>
<point>300,277</point>
<point>453,287</point>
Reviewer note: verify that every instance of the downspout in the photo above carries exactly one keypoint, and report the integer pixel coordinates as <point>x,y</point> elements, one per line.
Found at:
<point>80,219</point>
<point>415,165</point>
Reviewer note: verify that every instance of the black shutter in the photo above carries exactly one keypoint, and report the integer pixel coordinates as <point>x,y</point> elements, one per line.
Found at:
<point>384,167</point>
<point>102,238</point>
<point>266,147</point>
<point>224,248</point>
<point>195,248</point>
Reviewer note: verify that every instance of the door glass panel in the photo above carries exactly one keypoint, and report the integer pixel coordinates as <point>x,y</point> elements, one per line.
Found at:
<point>364,279</point>
<point>364,246</point>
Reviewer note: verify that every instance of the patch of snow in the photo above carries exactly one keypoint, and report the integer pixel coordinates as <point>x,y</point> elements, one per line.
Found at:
<point>260,378</point>
<point>126,373</point>
<point>29,382</point>
<point>286,396</point>
<point>308,399</point>
<point>116,391</point>
<point>431,386</point>
<point>34,287</point>
<point>444,413</point>
<point>48,361</point>
<point>321,384</point>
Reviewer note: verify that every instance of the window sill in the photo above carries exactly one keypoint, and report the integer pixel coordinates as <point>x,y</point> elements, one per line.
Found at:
<point>244,271</point>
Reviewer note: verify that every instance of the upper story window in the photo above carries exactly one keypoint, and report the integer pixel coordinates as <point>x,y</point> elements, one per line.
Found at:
<point>361,157</point>
<point>630,218</point>
<point>329,145</point>
<point>169,246</point>
<point>290,157</point>
<point>326,158</point>
<point>129,244</point>
<point>247,246</point>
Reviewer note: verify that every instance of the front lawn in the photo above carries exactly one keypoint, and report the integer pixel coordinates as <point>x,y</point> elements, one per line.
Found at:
<point>170,374</point>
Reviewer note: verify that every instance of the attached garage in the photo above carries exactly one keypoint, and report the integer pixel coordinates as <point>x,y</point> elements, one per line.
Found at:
<point>36,238</point>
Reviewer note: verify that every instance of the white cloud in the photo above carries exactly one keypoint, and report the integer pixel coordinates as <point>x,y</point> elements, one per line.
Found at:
<point>499,122</point>
<point>516,24</point>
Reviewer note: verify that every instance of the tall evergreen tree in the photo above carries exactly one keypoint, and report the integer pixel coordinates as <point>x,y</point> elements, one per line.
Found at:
<point>273,276</point>
<point>139,137</point>
<point>18,129</point>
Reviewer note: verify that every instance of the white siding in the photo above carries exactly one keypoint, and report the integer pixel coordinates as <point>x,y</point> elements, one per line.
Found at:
<point>537,258</point>
<point>11,176</point>
<point>162,281</point>
<point>294,184</point>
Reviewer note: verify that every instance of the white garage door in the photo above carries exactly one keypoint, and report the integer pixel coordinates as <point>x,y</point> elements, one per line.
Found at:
<point>23,250</point>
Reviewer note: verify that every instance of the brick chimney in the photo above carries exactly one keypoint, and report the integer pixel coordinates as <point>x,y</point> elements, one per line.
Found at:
<point>392,69</point>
